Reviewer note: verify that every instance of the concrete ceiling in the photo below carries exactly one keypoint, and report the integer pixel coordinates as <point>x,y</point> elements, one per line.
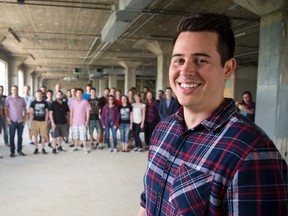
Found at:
<point>58,36</point>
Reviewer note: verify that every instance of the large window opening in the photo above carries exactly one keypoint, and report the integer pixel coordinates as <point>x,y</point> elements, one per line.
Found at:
<point>4,76</point>
<point>20,82</point>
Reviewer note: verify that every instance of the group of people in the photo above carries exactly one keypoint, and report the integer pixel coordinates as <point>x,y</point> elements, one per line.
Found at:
<point>52,116</point>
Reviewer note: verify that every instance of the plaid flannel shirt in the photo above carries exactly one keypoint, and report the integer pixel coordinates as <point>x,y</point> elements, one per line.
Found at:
<point>224,166</point>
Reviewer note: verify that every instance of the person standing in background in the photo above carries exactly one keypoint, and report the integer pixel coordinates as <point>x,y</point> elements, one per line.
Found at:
<point>39,118</point>
<point>79,119</point>
<point>139,112</point>
<point>247,106</point>
<point>28,99</point>
<point>110,122</point>
<point>4,124</point>
<point>168,105</point>
<point>15,113</point>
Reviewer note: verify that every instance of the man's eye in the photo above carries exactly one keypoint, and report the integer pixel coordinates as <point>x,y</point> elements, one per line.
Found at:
<point>200,61</point>
<point>179,61</point>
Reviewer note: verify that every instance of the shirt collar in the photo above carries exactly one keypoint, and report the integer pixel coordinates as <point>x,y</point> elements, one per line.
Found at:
<point>214,121</point>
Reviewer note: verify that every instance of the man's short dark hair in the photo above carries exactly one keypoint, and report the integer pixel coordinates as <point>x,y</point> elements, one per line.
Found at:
<point>79,89</point>
<point>211,22</point>
<point>49,91</point>
<point>92,89</point>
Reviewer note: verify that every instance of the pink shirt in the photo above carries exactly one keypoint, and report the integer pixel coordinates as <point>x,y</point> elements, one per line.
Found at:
<point>79,109</point>
<point>15,107</point>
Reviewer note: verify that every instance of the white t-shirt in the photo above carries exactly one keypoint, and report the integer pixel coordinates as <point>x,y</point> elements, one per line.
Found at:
<point>137,112</point>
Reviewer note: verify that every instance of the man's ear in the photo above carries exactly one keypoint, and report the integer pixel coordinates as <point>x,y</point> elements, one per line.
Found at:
<point>229,68</point>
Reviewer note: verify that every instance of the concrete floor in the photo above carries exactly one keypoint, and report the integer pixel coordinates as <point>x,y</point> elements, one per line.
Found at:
<point>70,183</point>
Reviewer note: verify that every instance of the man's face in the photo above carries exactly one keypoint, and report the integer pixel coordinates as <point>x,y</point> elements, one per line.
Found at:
<point>88,88</point>
<point>26,90</point>
<point>73,92</point>
<point>195,74</point>
<point>59,96</point>
<point>14,91</point>
<point>57,87</point>
<point>168,93</point>
<point>106,92</point>
<point>43,89</point>
<point>79,94</point>
<point>38,96</point>
<point>93,93</point>
<point>49,95</point>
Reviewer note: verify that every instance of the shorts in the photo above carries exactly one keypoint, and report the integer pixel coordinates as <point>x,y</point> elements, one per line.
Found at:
<point>94,124</point>
<point>79,132</point>
<point>61,130</point>
<point>39,126</point>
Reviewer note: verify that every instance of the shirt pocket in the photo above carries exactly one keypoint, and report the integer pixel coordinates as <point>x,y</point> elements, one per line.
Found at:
<point>190,191</point>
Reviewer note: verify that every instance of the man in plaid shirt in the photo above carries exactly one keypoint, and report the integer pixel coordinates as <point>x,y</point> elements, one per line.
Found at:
<point>207,159</point>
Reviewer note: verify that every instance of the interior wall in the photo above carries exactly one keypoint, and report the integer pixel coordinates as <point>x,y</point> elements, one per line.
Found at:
<point>246,80</point>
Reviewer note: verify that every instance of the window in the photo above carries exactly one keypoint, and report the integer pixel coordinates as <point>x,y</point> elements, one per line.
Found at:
<point>4,74</point>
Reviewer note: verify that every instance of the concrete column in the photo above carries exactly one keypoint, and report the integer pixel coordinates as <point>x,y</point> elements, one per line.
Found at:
<point>112,81</point>
<point>130,74</point>
<point>35,80</point>
<point>13,67</point>
<point>102,86</point>
<point>28,69</point>
<point>95,84</point>
<point>272,81</point>
<point>163,52</point>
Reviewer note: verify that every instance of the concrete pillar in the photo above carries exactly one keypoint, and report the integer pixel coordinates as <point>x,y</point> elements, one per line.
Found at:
<point>13,67</point>
<point>95,84</point>
<point>35,80</point>
<point>102,86</point>
<point>28,69</point>
<point>163,52</point>
<point>272,81</point>
<point>130,74</point>
<point>113,80</point>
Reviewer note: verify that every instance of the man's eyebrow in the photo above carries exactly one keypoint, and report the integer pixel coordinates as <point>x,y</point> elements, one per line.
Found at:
<point>193,54</point>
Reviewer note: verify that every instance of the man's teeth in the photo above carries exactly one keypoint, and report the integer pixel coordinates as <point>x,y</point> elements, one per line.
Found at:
<point>192,85</point>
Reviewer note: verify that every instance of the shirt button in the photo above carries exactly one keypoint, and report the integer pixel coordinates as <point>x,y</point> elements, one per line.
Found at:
<point>168,164</point>
<point>159,193</point>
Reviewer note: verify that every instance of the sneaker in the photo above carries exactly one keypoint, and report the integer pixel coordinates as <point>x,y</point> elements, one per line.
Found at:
<point>21,153</point>
<point>36,151</point>
<point>60,148</point>
<point>49,145</point>
<point>86,151</point>
<point>140,150</point>
<point>115,150</point>
<point>82,146</point>
<point>31,143</point>
<point>54,151</point>
<point>135,149</point>
<point>110,150</point>
<point>96,145</point>
<point>92,146</point>
<point>75,149</point>
<point>71,145</point>
<point>12,155</point>
<point>7,145</point>
<point>1,157</point>
<point>44,151</point>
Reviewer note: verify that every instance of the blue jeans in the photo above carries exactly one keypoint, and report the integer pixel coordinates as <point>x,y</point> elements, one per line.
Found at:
<point>107,135</point>
<point>12,129</point>
<point>5,130</point>
<point>137,130</point>
<point>124,132</point>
